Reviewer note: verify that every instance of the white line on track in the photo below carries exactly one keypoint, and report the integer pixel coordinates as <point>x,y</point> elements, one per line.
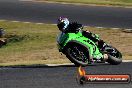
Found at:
<point>39,23</point>
<point>115,28</point>
<point>25,0</point>
<point>99,27</point>
<point>128,29</point>
<point>73,64</point>
<point>52,65</point>
<point>56,24</point>
<point>15,21</point>
<point>26,22</point>
<point>127,60</point>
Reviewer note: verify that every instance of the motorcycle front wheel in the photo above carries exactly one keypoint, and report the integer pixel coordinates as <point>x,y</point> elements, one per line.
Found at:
<point>77,54</point>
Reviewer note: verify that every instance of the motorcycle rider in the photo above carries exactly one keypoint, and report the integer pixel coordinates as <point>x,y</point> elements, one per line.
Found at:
<point>65,26</point>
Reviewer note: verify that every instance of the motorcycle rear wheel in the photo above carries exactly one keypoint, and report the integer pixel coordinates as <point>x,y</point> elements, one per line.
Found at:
<point>114,56</point>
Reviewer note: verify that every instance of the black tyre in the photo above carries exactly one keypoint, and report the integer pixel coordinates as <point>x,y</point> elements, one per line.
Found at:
<point>113,60</point>
<point>77,54</point>
<point>114,56</point>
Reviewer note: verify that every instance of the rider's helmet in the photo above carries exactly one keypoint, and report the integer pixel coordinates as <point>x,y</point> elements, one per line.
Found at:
<point>62,23</point>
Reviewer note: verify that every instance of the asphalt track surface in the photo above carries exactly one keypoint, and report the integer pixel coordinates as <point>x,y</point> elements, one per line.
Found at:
<point>62,76</point>
<point>115,17</point>
<point>59,76</point>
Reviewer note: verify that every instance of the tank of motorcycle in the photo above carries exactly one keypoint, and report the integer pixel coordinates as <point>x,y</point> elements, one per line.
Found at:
<point>64,38</point>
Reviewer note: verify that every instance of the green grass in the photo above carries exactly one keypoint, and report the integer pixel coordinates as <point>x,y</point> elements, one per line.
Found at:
<point>28,43</point>
<point>98,2</point>
<point>36,44</point>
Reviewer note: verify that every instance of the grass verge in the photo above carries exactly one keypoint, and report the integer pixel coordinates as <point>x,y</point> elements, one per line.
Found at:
<point>36,44</point>
<point>97,2</point>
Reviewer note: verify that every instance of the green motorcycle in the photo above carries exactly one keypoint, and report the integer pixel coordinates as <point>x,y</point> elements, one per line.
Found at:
<point>81,50</point>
